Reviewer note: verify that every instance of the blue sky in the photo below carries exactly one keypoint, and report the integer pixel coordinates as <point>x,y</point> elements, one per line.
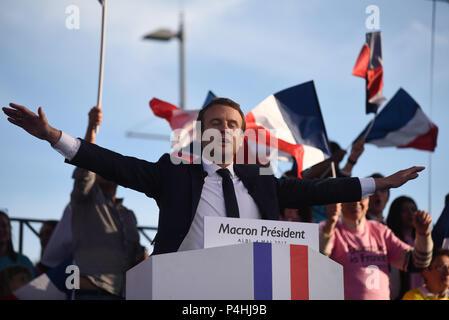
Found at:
<point>241,49</point>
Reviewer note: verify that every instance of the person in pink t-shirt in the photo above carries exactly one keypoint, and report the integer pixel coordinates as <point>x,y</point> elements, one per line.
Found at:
<point>365,248</point>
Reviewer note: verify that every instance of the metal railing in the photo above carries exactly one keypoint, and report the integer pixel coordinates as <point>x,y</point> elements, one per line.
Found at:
<point>27,223</point>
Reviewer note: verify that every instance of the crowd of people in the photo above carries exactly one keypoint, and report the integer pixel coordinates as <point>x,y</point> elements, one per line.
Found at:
<point>392,258</point>
<point>357,235</point>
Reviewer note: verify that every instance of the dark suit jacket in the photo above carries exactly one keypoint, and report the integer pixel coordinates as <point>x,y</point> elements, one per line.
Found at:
<point>177,189</point>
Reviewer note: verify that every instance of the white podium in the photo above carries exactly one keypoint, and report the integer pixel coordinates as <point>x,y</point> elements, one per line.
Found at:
<point>251,271</point>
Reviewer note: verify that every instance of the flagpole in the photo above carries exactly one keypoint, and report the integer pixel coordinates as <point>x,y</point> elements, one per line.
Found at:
<point>100,78</point>
<point>432,45</point>
<point>334,173</point>
<point>367,131</point>
<point>370,126</point>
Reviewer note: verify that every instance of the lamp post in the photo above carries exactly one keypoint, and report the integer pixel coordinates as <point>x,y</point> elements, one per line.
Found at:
<point>166,35</point>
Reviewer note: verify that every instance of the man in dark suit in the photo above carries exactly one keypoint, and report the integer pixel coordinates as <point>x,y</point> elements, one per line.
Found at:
<point>216,186</point>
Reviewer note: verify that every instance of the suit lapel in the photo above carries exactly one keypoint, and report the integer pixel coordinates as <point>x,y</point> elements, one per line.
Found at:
<point>197,177</point>
<point>249,177</point>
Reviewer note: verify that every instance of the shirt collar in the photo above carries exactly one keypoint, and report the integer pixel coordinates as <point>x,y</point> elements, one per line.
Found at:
<point>211,167</point>
<point>426,293</point>
<point>352,225</point>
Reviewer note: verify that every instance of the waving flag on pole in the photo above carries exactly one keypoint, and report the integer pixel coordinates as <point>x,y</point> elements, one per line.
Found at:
<point>289,121</point>
<point>48,286</point>
<point>177,118</point>
<point>294,117</point>
<point>182,122</point>
<point>402,124</point>
<point>369,67</point>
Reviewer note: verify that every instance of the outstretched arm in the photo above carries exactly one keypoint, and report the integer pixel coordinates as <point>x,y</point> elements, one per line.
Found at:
<point>35,124</point>
<point>398,179</point>
<point>295,193</point>
<point>129,172</point>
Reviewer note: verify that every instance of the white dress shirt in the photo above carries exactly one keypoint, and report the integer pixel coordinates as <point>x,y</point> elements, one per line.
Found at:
<point>212,204</point>
<point>212,200</point>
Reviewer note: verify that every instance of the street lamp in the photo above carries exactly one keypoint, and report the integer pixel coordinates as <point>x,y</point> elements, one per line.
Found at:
<point>166,35</point>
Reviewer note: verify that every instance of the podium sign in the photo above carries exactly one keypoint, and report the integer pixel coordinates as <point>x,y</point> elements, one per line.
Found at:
<point>251,271</point>
<point>220,231</point>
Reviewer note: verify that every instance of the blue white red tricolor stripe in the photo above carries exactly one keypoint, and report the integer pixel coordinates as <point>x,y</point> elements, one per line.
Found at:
<point>369,66</point>
<point>280,272</point>
<point>289,272</point>
<point>403,124</point>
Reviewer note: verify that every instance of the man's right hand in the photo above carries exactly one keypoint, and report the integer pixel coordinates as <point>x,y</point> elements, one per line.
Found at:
<point>36,125</point>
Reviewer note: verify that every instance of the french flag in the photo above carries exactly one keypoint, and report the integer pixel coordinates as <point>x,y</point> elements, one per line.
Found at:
<point>369,67</point>
<point>402,124</point>
<point>48,286</point>
<point>182,123</point>
<point>293,116</point>
<point>290,121</point>
<point>293,272</point>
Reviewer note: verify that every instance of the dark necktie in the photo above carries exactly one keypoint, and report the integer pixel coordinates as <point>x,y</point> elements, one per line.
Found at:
<point>232,209</point>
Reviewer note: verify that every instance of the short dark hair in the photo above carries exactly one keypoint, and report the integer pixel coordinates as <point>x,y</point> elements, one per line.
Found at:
<point>439,252</point>
<point>222,101</point>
